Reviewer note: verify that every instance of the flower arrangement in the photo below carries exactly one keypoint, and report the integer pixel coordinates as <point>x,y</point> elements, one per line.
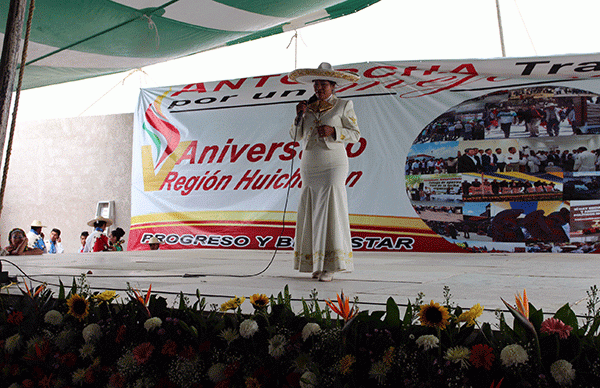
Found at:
<point>78,338</point>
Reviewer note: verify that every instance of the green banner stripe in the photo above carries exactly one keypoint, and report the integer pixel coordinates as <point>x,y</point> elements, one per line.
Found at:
<point>111,29</point>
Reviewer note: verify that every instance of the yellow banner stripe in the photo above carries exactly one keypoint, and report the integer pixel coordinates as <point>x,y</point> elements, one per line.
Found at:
<point>267,216</point>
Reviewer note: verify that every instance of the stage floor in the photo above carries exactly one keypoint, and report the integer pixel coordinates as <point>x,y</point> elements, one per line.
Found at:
<point>551,280</point>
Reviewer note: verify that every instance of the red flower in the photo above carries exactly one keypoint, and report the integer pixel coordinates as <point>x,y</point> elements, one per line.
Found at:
<point>231,369</point>
<point>556,326</point>
<point>169,348</point>
<point>120,334</point>
<point>15,318</point>
<point>142,352</point>
<point>27,383</point>
<point>293,379</point>
<point>223,384</point>
<point>482,356</point>
<point>117,380</point>
<point>89,377</point>
<point>188,352</point>
<point>46,382</point>
<point>204,347</point>
<point>40,351</point>
<point>68,359</point>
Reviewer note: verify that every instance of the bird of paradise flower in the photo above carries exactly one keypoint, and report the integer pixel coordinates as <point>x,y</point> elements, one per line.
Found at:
<point>155,119</point>
<point>344,309</point>
<point>143,300</point>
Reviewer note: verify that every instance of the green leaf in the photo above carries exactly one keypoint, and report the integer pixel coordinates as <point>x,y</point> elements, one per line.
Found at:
<point>61,290</point>
<point>536,317</point>
<point>408,315</point>
<point>305,308</point>
<point>392,313</point>
<point>181,301</point>
<point>73,287</point>
<point>376,315</point>
<point>567,316</point>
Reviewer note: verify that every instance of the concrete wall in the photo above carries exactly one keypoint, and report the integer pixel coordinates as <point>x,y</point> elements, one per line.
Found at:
<point>60,169</point>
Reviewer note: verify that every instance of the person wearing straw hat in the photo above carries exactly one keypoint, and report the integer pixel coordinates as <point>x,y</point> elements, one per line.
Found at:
<point>97,241</point>
<point>35,236</point>
<point>154,243</point>
<point>325,124</point>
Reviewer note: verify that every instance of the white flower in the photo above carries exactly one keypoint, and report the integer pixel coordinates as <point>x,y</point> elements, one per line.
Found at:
<point>308,380</point>
<point>152,323</point>
<point>379,371</point>
<point>65,338</point>
<point>563,372</point>
<point>513,355</point>
<point>87,350</point>
<point>92,332</point>
<point>310,329</point>
<point>229,335</point>
<point>277,345</point>
<point>126,364</point>
<point>53,317</point>
<point>428,341</point>
<point>79,376</point>
<point>248,328</point>
<point>13,343</point>
<point>13,385</point>
<point>458,354</point>
<point>216,372</point>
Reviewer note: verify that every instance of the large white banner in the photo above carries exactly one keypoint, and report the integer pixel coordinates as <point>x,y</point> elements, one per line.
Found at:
<point>214,165</point>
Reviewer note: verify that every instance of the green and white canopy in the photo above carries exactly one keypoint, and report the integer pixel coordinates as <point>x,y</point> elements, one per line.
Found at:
<point>76,39</point>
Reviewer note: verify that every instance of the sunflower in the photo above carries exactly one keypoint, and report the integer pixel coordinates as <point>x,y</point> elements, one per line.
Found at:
<point>434,315</point>
<point>79,307</point>
<point>259,301</point>
<point>233,303</point>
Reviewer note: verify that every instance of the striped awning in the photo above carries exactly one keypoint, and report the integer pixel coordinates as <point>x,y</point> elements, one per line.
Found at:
<point>76,39</point>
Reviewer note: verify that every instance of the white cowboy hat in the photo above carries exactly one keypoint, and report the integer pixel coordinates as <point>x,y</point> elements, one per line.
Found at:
<point>154,240</point>
<point>37,224</point>
<point>100,218</point>
<point>323,72</point>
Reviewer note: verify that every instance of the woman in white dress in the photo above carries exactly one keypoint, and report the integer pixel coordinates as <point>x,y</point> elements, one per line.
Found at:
<point>325,124</point>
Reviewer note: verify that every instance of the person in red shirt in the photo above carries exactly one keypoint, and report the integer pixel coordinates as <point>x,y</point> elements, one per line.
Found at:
<point>97,241</point>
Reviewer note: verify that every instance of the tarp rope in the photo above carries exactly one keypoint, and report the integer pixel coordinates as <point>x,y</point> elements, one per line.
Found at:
<point>16,106</point>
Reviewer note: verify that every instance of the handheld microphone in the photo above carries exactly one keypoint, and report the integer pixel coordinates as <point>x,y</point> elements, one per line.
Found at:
<point>300,115</point>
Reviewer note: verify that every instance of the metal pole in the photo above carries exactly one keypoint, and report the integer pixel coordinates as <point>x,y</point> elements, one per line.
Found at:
<point>500,28</point>
<point>8,63</point>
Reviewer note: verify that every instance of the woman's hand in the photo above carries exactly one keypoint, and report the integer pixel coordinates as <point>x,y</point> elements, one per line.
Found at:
<point>21,247</point>
<point>325,130</point>
<point>301,108</point>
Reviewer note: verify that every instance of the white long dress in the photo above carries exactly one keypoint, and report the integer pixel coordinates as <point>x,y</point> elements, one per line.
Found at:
<point>323,228</point>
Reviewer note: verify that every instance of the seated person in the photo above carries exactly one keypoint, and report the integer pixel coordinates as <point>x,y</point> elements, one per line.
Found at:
<point>18,244</point>
<point>115,242</point>
<point>35,237</point>
<point>54,244</point>
<point>154,243</point>
<point>84,235</point>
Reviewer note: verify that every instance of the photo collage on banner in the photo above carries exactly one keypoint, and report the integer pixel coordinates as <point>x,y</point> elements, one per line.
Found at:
<point>512,171</point>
